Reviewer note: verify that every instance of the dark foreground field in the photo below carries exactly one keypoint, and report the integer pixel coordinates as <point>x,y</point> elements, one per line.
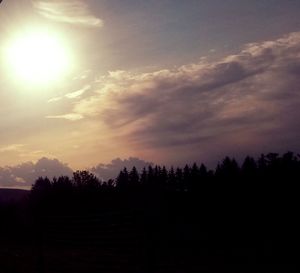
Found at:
<point>233,219</point>
<point>173,232</point>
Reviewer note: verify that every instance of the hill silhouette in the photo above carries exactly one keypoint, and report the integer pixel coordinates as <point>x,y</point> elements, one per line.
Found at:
<point>14,195</point>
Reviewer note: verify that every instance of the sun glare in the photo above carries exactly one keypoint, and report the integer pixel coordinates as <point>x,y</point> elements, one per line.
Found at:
<point>37,58</point>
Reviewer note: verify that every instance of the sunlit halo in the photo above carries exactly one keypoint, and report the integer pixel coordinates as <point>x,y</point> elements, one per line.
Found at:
<point>37,57</point>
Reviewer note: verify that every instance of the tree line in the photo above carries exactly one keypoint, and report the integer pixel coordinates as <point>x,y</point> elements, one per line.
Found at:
<point>267,168</point>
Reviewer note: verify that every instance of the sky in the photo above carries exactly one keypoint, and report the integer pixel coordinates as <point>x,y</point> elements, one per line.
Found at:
<point>168,81</point>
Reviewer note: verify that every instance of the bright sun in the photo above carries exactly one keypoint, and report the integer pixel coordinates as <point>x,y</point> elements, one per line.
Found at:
<point>37,57</point>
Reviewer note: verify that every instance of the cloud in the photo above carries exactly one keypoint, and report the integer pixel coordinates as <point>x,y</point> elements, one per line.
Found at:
<point>111,170</point>
<point>24,175</point>
<point>244,102</point>
<point>67,11</point>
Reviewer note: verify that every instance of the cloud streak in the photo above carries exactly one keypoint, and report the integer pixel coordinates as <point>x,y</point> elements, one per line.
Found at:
<point>71,117</point>
<point>67,11</point>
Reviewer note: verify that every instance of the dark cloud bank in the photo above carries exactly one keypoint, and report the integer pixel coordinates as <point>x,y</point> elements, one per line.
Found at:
<point>244,103</point>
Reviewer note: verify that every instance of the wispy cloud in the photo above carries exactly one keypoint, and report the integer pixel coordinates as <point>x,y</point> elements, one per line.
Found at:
<point>12,148</point>
<point>67,11</point>
<point>78,93</point>
<point>72,95</point>
<point>54,99</point>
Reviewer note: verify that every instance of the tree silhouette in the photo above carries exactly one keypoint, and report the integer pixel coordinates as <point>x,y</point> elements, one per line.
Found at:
<point>249,168</point>
<point>123,179</point>
<point>134,177</point>
<point>85,180</point>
